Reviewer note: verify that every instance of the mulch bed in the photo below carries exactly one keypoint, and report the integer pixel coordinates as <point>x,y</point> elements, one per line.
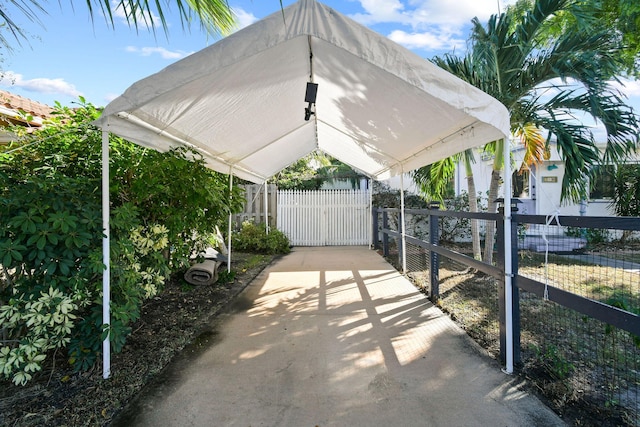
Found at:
<point>175,318</point>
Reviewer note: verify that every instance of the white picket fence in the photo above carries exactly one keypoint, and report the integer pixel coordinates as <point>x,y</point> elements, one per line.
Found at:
<point>324,217</point>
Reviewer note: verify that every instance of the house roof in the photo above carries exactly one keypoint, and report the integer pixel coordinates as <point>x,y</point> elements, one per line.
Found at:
<point>11,106</point>
<point>240,102</point>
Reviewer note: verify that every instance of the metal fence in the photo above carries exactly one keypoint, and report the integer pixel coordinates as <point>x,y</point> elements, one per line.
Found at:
<point>576,289</point>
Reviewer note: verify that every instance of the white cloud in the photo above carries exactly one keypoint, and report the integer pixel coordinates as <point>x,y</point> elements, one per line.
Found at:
<point>426,40</point>
<point>379,11</point>
<point>628,87</point>
<point>420,13</point>
<point>164,53</point>
<point>40,85</point>
<point>244,18</point>
<point>435,24</point>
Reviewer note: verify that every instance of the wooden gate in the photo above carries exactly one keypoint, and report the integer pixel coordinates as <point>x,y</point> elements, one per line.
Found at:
<point>254,205</point>
<point>324,217</point>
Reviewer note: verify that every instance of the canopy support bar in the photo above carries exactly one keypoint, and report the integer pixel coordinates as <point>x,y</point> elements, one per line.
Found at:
<point>230,219</point>
<point>266,206</point>
<point>467,129</point>
<point>106,245</point>
<point>403,230</point>
<point>371,242</point>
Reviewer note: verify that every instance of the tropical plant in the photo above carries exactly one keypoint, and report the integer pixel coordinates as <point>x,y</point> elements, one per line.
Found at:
<point>546,83</point>
<point>254,238</point>
<point>433,180</point>
<point>215,16</point>
<point>621,16</point>
<point>312,171</point>
<point>336,170</point>
<point>165,206</point>
<point>626,190</point>
<point>298,176</point>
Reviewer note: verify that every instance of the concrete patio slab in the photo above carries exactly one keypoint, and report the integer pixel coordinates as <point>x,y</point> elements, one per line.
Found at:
<point>334,336</point>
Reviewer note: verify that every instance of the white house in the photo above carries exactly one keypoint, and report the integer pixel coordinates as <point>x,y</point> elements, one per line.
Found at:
<point>539,188</point>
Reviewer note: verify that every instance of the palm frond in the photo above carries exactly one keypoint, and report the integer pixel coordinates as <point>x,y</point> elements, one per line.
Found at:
<point>433,179</point>
<point>534,142</point>
<point>30,9</point>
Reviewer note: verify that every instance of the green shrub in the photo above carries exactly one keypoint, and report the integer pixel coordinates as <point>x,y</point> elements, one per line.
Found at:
<point>254,238</point>
<point>594,236</point>
<point>165,206</point>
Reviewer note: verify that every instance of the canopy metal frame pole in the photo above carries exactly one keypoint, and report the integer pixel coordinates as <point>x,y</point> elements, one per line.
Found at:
<point>370,214</point>
<point>266,206</point>
<point>230,220</point>
<point>508,264</point>
<point>403,229</point>
<point>106,258</point>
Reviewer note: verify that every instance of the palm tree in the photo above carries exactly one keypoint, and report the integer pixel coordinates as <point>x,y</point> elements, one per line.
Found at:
<point>214,16</point>
<point>432,181</point>
<point>545,83</point>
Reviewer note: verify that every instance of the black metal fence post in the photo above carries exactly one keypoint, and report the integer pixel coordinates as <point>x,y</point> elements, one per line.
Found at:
<point>515,291</point>
<point>400,239</point>
<point>374,229</point>
<point>500,257</point>
<point>385,235</point>
<point>434,264</point>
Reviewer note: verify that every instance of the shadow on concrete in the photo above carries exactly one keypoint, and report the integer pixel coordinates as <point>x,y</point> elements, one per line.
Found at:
<point>335,337</point>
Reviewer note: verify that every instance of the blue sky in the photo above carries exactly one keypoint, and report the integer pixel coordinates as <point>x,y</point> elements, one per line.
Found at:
<point>68,55</point>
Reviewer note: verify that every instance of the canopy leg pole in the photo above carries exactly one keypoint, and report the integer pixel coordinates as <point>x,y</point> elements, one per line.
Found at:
<point>370,214</point>
<point>106,259</point>
<point>508,265</point>
<point>266,205</point>
<point>403,230</point>
<point>230,220</point>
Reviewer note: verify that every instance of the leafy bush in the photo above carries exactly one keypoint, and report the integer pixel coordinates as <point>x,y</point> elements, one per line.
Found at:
<point>165,206</point>
<point>254,238</point>
<point>594,236</point>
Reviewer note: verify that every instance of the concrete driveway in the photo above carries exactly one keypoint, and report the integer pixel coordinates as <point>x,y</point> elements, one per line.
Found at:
<point>334,336</point>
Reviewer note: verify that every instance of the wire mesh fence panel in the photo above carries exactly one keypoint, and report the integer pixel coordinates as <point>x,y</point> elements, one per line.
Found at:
<point>575,283</point>
<point>579,361</point>
<point>418,258</point>
<point>574,358</point>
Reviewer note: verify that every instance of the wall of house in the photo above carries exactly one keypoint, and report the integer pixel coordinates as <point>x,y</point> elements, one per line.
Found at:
<point>545,187</point>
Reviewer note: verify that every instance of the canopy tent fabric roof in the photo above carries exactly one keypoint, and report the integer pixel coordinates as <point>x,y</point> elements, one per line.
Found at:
<point>380,108</point>
<point>241,103</point>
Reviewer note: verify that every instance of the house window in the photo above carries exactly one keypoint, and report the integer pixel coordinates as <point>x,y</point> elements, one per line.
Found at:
<point>520,184</point>
<point>602,183</point>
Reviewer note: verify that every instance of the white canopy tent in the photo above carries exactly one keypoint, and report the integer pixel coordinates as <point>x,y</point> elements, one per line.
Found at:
<point>380,108</point>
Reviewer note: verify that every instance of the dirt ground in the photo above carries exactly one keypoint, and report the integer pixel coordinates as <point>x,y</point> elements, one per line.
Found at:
<point>59,397</point>
<point>469,297</point>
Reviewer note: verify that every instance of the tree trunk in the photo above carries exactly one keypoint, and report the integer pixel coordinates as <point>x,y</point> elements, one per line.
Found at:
<point>473,207</point>
<point>494,186</point>
<point>491,208</point>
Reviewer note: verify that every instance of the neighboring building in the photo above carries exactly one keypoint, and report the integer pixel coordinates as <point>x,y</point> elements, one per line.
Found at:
<point>16,110</point>
<point>539,189</point>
